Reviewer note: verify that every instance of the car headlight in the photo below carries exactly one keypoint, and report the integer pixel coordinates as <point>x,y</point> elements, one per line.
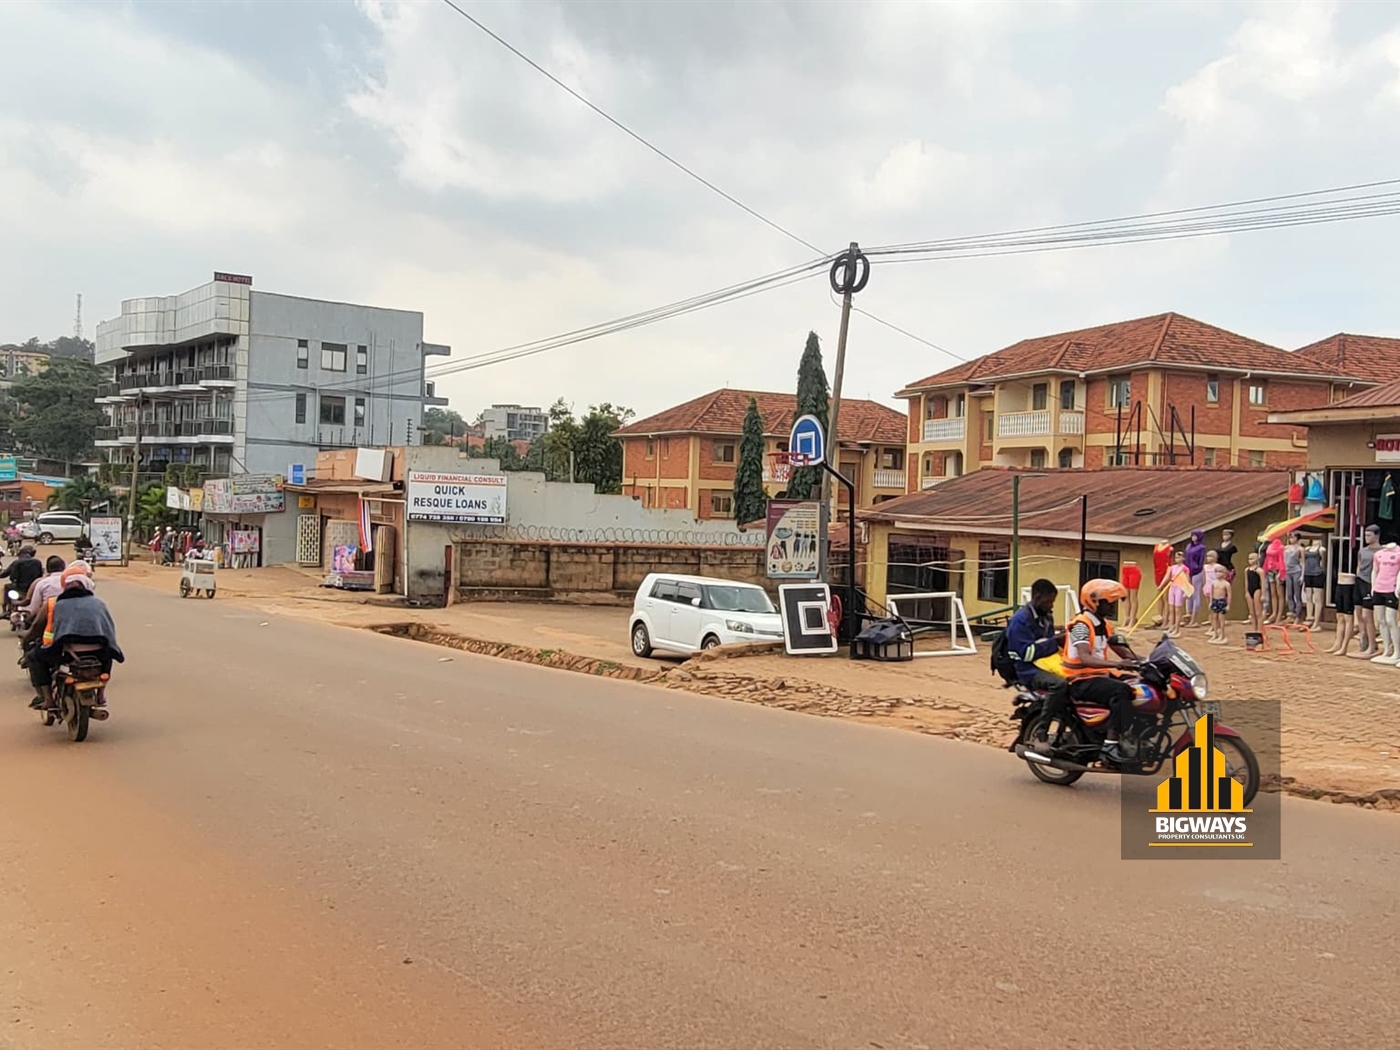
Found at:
<point>738,627</point>
<point>1199,686</point>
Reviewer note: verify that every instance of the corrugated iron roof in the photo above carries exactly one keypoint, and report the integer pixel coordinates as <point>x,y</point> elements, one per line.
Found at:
<point>1386,396</point>
<point>1147,504</point>
<point>1167,340</point>
<point>722,412</point>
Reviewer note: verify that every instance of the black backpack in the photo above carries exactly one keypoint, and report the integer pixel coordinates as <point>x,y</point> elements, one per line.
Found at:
<point>1002,663</point>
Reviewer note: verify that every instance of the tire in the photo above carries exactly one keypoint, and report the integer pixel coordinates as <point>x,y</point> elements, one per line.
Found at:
<point>77,723</point>
<point>710,642</point>
<point>47,717</point>
<point>1246,758</point>
<point>641,640</point>
<point>184,588</point>
<point>45,538</point>
<point>1032,732</point>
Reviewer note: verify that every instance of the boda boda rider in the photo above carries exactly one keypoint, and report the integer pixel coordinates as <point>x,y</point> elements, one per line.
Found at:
<point>76,615</point>
<point>1094,676</point>
<point>50,585</point>
<point>23,571</point>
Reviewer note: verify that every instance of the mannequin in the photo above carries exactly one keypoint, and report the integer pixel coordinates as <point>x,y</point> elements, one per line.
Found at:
<point>1314,583</point>
<point>1386,570</point>
<point>1131,578</point>
<point>1365,603</point>
<point>1274,572</point>
<point>1346,613</point>
<point>1293,579</point>
<point>1196,567</point>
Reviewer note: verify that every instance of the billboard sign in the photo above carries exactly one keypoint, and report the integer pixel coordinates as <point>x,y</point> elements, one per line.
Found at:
<point>478,499</point>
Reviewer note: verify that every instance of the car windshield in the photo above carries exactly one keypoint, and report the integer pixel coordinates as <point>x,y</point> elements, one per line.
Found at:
<point>737,599</point>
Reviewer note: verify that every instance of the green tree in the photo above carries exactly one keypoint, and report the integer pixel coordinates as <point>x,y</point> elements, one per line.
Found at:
<point>56,414</point>
<point>813,399</point>
<point>440,424</point>
<point>151,509</point>
<point>587,443</point>
<point>501,449</point>
<point>85,489</point>
<point>750,501</point>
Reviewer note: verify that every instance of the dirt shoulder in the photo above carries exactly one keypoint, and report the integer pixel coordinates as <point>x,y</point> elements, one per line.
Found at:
<point>1340,717</point>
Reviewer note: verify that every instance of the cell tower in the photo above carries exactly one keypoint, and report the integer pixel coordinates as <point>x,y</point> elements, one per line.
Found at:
<point>78,320</point>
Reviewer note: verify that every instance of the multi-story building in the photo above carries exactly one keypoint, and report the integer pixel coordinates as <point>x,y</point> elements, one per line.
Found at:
<point>227,379</point>
<point>1373,358</point>
<point>686,456</point>
<point>16,361</point>
<point>1156,390</point>
<point>514,422</point>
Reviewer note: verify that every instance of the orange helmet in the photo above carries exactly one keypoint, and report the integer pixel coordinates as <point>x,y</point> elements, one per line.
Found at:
<point>1096,591</point>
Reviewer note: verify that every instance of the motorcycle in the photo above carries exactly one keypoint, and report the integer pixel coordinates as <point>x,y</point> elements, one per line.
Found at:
<point>79,690</point>
<point>19,618</point>
<point>1170,690</point>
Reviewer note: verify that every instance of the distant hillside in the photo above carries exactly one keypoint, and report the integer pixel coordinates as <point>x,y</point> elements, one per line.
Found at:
<point>63,346</point>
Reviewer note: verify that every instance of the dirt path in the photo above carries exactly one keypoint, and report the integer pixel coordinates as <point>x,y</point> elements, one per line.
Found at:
<point>1340,717</point>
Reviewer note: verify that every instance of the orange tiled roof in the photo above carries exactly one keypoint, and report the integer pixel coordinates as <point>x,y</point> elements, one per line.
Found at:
<point>722,412</point>
<point>1372,357</point>
<point>1165,339</point>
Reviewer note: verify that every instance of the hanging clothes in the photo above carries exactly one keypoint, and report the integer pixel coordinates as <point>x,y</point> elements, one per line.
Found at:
<point>1387,507</point>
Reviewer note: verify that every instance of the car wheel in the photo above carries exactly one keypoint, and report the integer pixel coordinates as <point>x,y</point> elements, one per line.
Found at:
<point>710,642</point>
<point>46,538</point>
<point>641,640</point>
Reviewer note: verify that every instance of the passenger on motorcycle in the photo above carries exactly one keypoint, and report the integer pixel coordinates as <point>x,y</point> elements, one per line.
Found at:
<point>75,615</point>
<point>23,571</point>
<point>1094,676</point>
<point>1030,636</point>
<point>50,585</point>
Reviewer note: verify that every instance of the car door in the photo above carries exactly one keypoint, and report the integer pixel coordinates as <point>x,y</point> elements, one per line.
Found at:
<point>658,606</point>
<point>685,615</point>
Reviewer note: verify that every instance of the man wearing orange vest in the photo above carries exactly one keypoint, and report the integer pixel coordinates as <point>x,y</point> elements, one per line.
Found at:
<point>1094,676</point>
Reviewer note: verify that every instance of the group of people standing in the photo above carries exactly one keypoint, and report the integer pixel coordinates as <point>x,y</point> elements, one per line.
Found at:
<point>169,546</point>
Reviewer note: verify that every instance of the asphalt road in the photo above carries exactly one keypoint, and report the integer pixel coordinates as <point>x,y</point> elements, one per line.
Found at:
<point>291,835</point>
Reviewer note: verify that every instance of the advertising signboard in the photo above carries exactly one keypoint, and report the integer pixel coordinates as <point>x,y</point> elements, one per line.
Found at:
<point>465,498</point>
<point>794,533</point>
<point>106,537</point>
<point>245,494</point>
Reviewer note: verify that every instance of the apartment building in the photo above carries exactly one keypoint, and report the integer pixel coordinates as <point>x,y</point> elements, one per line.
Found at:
<point>686,456</point>
<point>1373,358</point>
<point>1143,392</point>
<point>231,380</point>
<point>514,422</point>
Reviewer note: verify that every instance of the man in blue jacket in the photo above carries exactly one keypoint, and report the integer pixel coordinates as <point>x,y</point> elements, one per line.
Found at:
<point>1030,636</point>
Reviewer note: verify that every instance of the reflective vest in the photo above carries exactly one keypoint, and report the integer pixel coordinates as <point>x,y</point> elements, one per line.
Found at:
<point>48,625</point>
<point>1099,633</point>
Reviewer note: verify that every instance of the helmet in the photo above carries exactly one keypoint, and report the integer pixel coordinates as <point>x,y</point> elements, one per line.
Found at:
<point>1096,591</point>
<point>27,551</point>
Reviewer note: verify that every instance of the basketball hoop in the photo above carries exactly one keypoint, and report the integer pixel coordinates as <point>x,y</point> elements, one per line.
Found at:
<point>782,464</point>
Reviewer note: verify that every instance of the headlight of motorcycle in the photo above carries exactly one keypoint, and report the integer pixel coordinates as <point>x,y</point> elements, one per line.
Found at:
<point>14,596</point>
<point>1199,686</point>
<point>738,627</point>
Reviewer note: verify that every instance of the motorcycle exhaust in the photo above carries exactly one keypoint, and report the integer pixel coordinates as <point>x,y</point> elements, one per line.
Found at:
<point>100,713</point>
<point>1045,760</point>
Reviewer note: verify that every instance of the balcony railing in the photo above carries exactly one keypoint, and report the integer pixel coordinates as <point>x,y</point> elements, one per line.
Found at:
<point>953,428</point>
<point>104,433</point>
<point>215,372</point>
<point>1071,422</point>
<point>1024,424</point>
<point>885,478</point>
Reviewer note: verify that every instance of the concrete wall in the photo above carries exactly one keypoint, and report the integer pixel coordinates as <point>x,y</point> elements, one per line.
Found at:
<point>503,568</point>
<point>392,387</point>
<point>1345,445</point>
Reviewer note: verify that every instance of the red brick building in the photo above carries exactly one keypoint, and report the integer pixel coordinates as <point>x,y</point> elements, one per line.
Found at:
<point>1139,392</point>
<point>686,456</point>
<point>1373,358</point>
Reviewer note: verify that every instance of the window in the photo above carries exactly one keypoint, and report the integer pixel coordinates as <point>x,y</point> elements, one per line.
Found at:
<point>989,425</point>
<point>359,411</point>
<point>722,504</point>
<point>1067,395</point>
<point>361,360</point>
<point>892,459</point>
<point>1120,391</point>
<point>737,598</point>
<point>333,357</point>
<point>960,406</point>
<point>1118,458</point>
<point>1208,457</point>
<point>688,593</point>
<point>1066,458</point>
<point>1101,563</point>
<point>333,410</point>
<point>1257,395</point>
<point>724,452</point>
<point>1256,458</point>
<point>301,408</point>
<point>993,571</point>
<point>1040,397</point>
<point>303,354</point>
<point>665,446</point>
<point>1038,458</point>
<point>651,449</point>
<point>1213,389</point>
<point>665,590</point>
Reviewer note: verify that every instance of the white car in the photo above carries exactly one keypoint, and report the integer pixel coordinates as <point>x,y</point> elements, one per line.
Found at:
<point>683,614</point>
<point>52,526</point>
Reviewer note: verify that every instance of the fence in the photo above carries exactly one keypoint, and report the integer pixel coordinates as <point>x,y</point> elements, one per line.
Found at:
<point>655,537</point>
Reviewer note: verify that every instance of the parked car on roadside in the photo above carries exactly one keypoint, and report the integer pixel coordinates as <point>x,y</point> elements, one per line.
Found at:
<point>683,614</point>
<point>52,526</point>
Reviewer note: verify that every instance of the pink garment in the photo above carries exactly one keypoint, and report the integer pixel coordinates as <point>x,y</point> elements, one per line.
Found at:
<point>1385,569</point>
<point>1177,575</point>
<point>1273,558</point>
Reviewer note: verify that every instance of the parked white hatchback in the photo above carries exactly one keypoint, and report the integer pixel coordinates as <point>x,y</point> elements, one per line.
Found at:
<point>682,614</point>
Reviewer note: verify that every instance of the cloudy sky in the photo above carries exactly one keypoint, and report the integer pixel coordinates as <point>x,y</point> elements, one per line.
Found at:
<point>391,153</point>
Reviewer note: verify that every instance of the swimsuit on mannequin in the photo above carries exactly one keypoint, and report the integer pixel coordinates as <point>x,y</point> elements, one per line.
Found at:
<point>1384,573</point>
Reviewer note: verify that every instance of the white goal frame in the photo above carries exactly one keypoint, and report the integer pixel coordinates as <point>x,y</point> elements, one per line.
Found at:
<point>959,619</point>
<point>1072,608</point>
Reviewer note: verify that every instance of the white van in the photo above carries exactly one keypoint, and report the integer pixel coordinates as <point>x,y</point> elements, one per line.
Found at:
<point>682,614</point>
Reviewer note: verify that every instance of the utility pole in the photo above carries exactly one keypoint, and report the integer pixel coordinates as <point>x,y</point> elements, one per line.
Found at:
<point>850,272</point>
<point>131,496</point>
